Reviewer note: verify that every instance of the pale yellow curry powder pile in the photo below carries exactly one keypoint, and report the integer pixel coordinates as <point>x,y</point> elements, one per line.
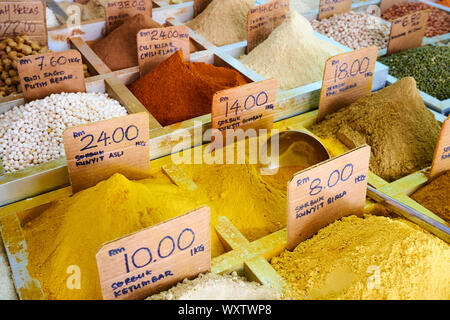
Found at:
<point>370,258</point>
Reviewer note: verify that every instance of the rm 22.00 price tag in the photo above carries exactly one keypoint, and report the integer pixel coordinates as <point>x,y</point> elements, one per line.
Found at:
<point>326,192</point>
<point>117,11</point>
<point>158,44</point>
<point>249,106</point>
<point>151,260</point>
<point>18,18</point>
<point>407,32</point>
<point>96,151</point>
<point>347,77</point>
<point>43,74</point>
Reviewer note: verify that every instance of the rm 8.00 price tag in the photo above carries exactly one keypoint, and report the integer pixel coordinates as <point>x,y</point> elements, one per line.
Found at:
<point>326,192</point>
<point>152,260</point>
<point>347,77</point>
<point>96,151</point>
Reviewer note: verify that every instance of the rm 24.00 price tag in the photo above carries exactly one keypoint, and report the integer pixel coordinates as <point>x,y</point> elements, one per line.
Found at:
<point>96,151</point>
<point>347,77</point>
<point>155,258</point>
<point>326,192</point>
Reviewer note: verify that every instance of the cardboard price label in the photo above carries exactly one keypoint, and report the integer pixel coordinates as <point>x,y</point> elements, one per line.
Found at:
<point>325,193</point>
<point>152,260</point>
<point>441,159</point>
<point>117,11</point>
<point>43,74</point>
<point>200,5</point>
<point>347,77</point>
<point>96,151</point>
<point>244,107</point>
<point>263,19</point>
<point>408,31</point>
<point>386,4</point>
<point>327,8</point>
<point>23,18</point>
<point>157,44</point>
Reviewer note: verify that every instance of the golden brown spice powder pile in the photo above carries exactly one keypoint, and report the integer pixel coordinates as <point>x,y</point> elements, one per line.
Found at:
<point>368,258</point>
<point>394,121</point>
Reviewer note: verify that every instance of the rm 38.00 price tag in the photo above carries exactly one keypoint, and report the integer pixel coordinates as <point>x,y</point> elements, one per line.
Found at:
<point>151,260</point>
<point>117,11</point>
<point>326,192</point>
<point>347,77</point>
<point>96,151</point>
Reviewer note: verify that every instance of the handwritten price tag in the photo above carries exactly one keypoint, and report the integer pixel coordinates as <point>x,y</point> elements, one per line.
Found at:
<point>347,77</point>
<point>117,11</point>
<point>152,260</point>
<point>96,151</point>
<point>408,31</point>
<point>43,74</point>
<point>441,159</point>
<point>263,19</point>
<point>325,193</point>
<point>327,8</point>
<point>23,18</point>
<point>157,44</point>
<point>244,107</point>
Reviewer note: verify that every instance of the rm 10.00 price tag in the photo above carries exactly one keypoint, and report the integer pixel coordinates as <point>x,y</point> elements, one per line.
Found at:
<point>347,77</point>
<point>326,192</point>
<point>151,260</point>
<point>96,151</point>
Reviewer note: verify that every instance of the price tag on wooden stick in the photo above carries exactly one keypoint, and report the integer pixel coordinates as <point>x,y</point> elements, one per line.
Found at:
<point>154,259</point>
<point>386,4</point>
<point>24,18</point>
<point>326,192</point>
<point>250,106</point>
<point>347,77</point>
<point>263,19</point>
<point>441,159</point>
<point>117,11</point>
<point>327,8</point>
<point>157,44</point>
<point>408,31</point>
<point>96,151</point>
<point>43,74</point>
<point>200,5</point>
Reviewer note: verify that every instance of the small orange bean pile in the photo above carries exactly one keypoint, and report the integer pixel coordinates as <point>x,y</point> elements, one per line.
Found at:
<point>438,21</point>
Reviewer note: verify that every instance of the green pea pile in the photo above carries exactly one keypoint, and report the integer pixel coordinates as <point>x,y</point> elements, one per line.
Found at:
<point>429,65</point>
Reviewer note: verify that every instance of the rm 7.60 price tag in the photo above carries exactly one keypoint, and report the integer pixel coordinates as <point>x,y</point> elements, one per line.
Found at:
<point>155,258</point>
<point>347,77</point>
<point>96,151</point>
<point>326,192</point>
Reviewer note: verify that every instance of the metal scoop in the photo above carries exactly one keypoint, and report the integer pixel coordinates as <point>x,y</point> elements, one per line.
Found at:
<point>295,149</point>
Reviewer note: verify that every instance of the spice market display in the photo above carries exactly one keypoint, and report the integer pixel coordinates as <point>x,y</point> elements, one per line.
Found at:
<point>273,154</point>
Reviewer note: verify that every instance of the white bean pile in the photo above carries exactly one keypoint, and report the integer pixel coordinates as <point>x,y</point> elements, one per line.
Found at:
<point>354,30</point>
<point>32,133</point>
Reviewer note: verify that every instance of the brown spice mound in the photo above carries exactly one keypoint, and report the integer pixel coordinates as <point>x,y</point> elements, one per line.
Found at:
<point>395,122</point>
<point>118,49</point>
<point>435,196</point>
<point>175,91</point>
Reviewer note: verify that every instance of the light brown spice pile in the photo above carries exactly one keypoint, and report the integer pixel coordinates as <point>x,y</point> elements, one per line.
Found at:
<point>435,196</point>
<point>395,122</point>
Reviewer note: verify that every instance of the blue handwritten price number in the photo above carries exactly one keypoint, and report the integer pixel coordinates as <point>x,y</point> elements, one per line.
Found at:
<point>407,32</point>
<point>151,260</point>
<point>157,44</point>
<point>326,192</point>
<point>96,151</point>
<point>54,72</point>
<point>347,77</point>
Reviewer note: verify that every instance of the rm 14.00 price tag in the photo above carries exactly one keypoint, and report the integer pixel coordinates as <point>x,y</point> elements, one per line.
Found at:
<point>325,193</point>
<point>151,260</point>
<point>96,151</point>
<point>347,77</point>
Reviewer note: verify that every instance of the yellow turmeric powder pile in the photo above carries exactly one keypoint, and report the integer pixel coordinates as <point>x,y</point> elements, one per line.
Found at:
<point>368,258</point>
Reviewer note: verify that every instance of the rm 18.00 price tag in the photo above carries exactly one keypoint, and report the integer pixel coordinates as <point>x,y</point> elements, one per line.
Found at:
<point>347,77</point>
<point>151,260</point>
<point>96,151</point>
<point>326,192</point>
